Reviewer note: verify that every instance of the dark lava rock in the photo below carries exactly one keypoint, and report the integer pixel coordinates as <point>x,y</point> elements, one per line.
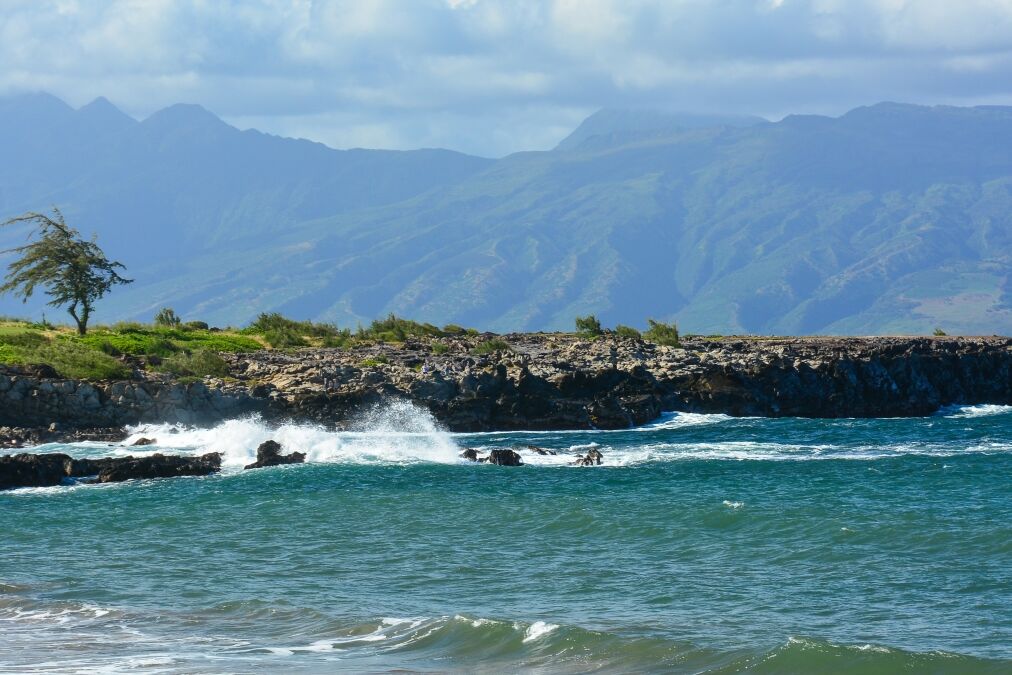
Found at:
<point>160,466</point>
<point>144,441</point>
<point>470,454</point>
<point>80,468</point>
<point>505,457</point>
<point>541,451</point>
<point>594,457</point>
<point>27,470</point>
<point>269,454</point>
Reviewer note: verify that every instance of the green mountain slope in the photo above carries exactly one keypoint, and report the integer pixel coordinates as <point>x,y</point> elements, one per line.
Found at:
<point>892,218</point>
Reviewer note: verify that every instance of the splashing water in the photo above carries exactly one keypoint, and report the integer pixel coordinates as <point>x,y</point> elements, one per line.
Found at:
<point>398,433</point>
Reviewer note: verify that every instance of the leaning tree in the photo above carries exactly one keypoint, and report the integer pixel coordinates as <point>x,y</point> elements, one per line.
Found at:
<point>73,271</point>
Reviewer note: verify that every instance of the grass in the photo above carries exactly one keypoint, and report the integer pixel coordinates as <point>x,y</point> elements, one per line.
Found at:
<point>182,351</point>
<point>70,359</point>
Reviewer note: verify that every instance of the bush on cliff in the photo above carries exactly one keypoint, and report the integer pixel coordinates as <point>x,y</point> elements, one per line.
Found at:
<point>662,333</point>
<point>199,363</point>
<point>627,332</point>
<point>491,346</point>
<point>284,338</point>
<point>395,329</point>
<point>588,326</point>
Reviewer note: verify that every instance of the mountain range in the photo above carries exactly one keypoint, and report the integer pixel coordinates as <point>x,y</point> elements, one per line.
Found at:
<point>891,218</point>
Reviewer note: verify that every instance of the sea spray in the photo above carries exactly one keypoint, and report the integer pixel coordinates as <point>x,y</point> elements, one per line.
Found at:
<point>396,432</point>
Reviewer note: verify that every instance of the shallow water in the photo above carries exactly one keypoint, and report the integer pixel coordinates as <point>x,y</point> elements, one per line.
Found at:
<point>705,544</point>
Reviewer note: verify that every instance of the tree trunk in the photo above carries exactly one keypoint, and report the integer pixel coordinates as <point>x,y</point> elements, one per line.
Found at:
<point>82,320</point>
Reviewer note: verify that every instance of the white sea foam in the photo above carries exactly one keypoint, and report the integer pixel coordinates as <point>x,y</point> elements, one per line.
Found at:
<point>396,433</point>
<point>983,410</point>
<point>538,629</point>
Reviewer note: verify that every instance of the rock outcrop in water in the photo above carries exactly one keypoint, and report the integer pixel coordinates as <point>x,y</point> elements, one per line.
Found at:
<point>500,456</point>
<point>269,454</point>
<point>160,466</point>
<point>25,470</point>
<point>544,381</point>
<point>592,458</point>
<point>49,469</point>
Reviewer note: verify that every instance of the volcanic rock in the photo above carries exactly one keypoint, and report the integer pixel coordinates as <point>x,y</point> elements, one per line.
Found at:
<point>505,457</point>
<point>25,470</point>
<point>593,457</point>
<point>269,454</point>
<point>160,466</point>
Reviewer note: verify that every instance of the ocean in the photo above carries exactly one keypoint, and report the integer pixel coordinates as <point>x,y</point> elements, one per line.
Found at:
<point>704,544</point>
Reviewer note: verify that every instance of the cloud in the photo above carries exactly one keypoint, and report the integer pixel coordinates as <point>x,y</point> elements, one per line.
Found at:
<point>496,76</point>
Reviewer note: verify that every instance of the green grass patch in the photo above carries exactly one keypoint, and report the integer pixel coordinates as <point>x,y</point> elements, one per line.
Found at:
<point>152,341</point>
<point>491,346</point>
<point>70,359</point>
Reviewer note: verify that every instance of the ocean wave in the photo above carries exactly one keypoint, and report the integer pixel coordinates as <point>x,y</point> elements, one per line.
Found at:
<point>238,637</point>
<point>398,433</point>
<point>982,410</point>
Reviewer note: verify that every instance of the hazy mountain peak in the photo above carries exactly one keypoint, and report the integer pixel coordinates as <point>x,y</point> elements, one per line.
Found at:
<point>186,115</point>
<point>621,125</point>
<point>37,104</point>
<point>102,116</point>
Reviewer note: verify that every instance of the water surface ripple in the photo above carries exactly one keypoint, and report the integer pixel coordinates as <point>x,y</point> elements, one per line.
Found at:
<point>705,544</point>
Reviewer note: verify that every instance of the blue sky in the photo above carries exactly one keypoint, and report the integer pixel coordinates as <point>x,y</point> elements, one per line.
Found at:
<point>495,76</point>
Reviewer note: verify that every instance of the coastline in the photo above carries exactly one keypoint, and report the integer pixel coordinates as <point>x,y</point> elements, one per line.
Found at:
<point>541,382</point>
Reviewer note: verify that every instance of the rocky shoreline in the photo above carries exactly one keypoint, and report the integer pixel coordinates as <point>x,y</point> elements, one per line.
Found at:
<point>542,381</point>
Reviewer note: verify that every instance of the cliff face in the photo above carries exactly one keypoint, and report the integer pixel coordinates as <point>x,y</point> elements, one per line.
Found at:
<point>547,382</point>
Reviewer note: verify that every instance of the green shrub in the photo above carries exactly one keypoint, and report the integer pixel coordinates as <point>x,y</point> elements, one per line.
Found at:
<point>492,346</point>
<point>200,363</point>
<point>395,329</point>
<point>107,347</point>
<point>284,338</point>
<point>341,340</point>
<point>588,325</point>
<point>373,362</point>
<point>274,322</point>
<point>662,333</point>
<point>939,332</point>
<point>125,327</point>
<point>627,332</point>
<point>196,325</point>
<point>439,348</point>
<point>168,318</point>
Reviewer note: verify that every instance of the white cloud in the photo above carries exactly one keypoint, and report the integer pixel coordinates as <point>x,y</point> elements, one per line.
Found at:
<point>493,76</point>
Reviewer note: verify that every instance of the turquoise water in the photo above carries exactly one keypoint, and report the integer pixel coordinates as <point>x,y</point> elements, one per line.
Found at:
<point>705,544</point>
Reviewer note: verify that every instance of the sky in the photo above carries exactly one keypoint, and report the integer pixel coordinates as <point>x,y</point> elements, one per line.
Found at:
<point>491,77</point>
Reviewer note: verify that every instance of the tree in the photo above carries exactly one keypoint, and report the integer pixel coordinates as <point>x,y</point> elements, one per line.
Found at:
<point>73,271</point>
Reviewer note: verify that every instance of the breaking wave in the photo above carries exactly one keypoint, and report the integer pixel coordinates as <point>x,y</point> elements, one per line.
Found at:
<point>173,643</point>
